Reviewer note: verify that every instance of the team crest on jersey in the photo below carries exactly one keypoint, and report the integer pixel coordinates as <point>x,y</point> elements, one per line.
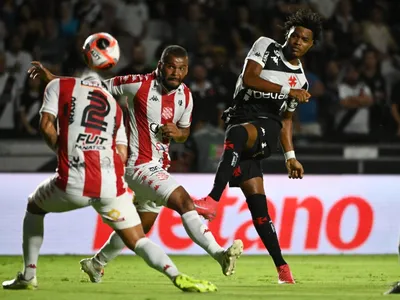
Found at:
<point>292,81</point>
<point>167,113</point>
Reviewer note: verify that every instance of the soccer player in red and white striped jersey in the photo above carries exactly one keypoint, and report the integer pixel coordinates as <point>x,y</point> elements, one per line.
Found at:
<point>160,107</point>
<point>82,123</point>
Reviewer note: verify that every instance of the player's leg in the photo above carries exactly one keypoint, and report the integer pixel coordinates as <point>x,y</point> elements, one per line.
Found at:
<point>180,201</point>
<point>253,190</point>
<point>151,181</point>
<point>94,267</point>
<point>126,224</point>
<point>32,237</point>
<point>46,198</point>
<point>238,138</point>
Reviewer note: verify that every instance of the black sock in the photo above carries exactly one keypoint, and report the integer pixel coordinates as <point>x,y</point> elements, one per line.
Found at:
<point>235,142</point>
<point>257,204</point>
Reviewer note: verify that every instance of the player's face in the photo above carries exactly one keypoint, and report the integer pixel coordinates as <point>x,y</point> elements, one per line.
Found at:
<point>173,70</point>
<point>300,40</point>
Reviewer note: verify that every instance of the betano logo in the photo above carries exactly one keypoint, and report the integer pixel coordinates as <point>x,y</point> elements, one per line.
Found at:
<point>320,221</point>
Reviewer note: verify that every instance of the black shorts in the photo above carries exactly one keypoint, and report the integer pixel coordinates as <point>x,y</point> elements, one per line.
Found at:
<point>249,165</point>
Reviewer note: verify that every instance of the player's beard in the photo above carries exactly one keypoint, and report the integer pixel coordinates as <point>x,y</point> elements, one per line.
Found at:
<point>169,86</point>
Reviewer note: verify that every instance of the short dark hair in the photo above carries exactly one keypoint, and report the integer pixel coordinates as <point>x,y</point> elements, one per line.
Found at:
<point>174,50</point>
<point>305,18</point>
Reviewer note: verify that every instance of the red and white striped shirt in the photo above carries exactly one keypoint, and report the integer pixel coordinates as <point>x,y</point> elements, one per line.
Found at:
<point>149,107</point>
<point>90,126</point>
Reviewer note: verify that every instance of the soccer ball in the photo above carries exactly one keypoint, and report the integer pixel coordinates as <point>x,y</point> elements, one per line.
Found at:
<point>101,51</point>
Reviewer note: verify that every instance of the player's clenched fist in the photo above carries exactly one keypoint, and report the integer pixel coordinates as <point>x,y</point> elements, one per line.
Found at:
<point>300,95</point>
<point>170,130</point>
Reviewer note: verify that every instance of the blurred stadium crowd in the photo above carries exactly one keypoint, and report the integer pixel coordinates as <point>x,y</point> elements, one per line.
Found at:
<point>354,72</point>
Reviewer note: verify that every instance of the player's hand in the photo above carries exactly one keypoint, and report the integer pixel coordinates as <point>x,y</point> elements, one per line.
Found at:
<point>171,131</point>
<point>295,169</point>
<point>38,69</point>
<point>300,95</point>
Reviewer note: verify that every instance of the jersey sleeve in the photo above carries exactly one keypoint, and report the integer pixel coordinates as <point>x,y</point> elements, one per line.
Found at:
<point>186,119</point>
<point>125,85</point>
<point>50,98</point>
<point>258,51</point>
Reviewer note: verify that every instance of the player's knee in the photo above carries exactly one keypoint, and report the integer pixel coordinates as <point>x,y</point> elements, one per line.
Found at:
<point>180,201</point>
<point>33,208</point>
<point>258,207</point>
<point>237,135</point>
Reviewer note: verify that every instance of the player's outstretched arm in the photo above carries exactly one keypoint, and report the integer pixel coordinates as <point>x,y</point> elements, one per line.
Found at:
<point>38,69</point>
<point>252,80</point>
<point>294,167</point>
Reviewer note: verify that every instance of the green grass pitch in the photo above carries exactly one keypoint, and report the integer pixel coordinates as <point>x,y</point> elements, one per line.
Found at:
<point>128,277</point>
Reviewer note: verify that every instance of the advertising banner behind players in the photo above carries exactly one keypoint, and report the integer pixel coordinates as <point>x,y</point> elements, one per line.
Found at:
<point>318,215</point>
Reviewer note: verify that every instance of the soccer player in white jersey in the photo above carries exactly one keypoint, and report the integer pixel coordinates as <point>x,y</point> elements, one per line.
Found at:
<point>268,90</point>
<point>82,123</point>
<point>159,107</point>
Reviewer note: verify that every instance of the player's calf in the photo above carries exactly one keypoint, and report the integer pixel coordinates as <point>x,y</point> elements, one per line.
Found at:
<point>235,142</point>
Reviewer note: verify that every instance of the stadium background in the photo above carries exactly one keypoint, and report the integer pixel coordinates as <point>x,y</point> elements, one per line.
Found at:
<point>347,202</point>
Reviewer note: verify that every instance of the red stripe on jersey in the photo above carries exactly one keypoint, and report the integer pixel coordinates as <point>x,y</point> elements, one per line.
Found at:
<point>118,165</point>
<point>140,106</point>
<point>167,116</point>
<point>93,178</point>
<point>64,109</point>
<point>187,99</point>
<point>127,79</point>
<point>127,120</point>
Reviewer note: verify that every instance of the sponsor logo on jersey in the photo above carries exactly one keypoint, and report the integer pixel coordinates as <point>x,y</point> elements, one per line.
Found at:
<point>88,141</point>
<point>72,114</point>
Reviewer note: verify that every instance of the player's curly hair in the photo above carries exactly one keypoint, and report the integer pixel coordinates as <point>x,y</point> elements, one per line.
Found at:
<point>305,18</point>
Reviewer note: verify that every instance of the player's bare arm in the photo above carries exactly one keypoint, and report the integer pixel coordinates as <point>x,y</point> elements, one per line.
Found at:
<point>252,80</point>
<point>48,130</point>
<point>179,135</point>
<point>122,152</point>
<point>294,167</point>
<point>38,69</point>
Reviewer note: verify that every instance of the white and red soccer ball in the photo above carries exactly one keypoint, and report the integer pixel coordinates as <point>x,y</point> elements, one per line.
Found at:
<point>101,51</point>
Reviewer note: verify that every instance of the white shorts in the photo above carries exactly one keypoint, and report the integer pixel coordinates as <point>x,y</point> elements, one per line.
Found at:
<point>118,212</point>
<point>152,186</point>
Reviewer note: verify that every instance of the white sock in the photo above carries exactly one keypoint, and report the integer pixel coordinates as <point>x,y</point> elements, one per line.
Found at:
<point>32,241</point>
<point>200,234</point>
<point>155,257</point>
<point>110,250</point>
